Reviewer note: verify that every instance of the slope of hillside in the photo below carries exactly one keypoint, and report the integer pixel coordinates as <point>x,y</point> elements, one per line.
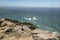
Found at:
<point>15,30</point>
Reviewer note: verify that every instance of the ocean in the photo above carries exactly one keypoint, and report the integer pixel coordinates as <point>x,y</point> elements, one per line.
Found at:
<point>43,18</point>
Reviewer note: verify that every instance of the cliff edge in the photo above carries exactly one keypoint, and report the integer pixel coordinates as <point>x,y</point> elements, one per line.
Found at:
<point>15,30</point>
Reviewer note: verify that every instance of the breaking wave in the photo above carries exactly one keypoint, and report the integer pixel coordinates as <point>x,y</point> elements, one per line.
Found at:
<point>30,18</point>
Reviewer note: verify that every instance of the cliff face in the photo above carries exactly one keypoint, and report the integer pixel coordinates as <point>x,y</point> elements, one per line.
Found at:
<point>14,30</point>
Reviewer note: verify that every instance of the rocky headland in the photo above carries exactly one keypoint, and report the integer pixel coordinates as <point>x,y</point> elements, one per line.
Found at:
<point>15,30</point>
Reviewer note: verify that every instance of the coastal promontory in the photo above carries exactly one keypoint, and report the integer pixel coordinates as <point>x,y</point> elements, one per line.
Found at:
<point>16,30</point>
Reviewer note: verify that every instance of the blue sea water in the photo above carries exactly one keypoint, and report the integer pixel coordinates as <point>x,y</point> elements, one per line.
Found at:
<point>44,18</point>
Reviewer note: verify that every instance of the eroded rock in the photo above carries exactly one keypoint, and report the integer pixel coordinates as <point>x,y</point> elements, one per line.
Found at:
<point>15,30</point>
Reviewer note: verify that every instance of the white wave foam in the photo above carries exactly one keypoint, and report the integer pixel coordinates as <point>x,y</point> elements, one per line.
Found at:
<point>34,18</point>
<point>30,18</point>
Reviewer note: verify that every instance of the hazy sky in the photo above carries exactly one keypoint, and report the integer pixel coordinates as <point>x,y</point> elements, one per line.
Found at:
<point>30,3</point>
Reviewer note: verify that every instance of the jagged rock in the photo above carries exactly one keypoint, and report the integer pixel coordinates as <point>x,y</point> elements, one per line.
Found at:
<point>15,30</point>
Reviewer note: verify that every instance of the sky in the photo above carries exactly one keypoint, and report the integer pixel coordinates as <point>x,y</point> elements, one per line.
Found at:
<point>29,3</point>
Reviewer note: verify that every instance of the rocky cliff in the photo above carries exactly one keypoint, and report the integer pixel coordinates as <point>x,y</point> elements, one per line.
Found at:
<point>15,30</point>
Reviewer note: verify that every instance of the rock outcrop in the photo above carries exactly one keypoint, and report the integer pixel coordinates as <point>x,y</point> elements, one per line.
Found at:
<point>15,30</point>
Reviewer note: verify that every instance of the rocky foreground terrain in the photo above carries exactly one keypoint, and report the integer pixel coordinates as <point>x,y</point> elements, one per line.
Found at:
<point>14,30</point>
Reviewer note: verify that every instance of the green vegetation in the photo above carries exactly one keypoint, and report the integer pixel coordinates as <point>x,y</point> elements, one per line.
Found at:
<point>0,22</point>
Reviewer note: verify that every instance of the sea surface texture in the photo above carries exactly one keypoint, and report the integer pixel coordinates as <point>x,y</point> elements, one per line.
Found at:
<point>44,18</point>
